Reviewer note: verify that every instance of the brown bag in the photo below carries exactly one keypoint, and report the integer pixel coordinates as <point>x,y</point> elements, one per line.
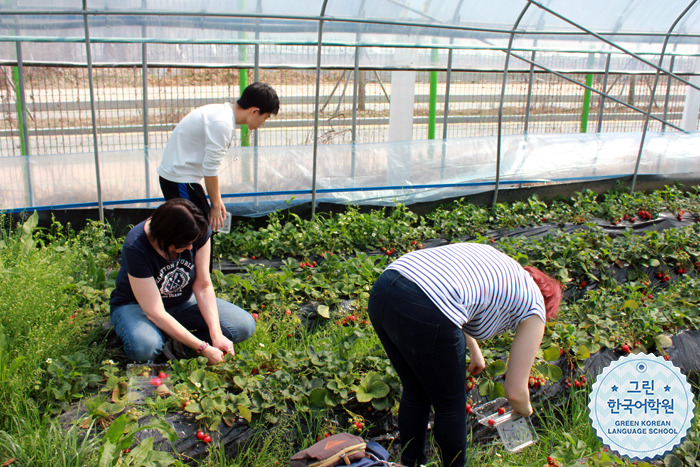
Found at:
<point>338,449</point>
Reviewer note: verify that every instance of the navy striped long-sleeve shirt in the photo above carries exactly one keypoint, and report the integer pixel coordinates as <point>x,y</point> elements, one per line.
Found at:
<point>480,289</point>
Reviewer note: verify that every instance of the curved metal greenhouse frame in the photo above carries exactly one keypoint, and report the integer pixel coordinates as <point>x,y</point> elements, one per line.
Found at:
<point>524,36</point>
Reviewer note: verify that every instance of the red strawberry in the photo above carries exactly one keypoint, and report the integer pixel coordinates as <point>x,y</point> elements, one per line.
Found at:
<point>200,435</point>
<point>163,375</point>
<point>501,411</point>
<point>491,422</point>
<point>155,381</point>
<point>206,439</point>
<point>625,348</point>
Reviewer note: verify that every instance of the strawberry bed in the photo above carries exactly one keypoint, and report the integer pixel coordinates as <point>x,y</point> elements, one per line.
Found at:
<point>628,262</point>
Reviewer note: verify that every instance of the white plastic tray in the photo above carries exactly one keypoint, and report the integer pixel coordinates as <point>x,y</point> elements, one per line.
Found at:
<point>516,431</point>
<point>144,381</point>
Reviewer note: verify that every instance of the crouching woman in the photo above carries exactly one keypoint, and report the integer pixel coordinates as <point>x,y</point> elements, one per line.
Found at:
<point>164,290</point>
<point>428,307</point>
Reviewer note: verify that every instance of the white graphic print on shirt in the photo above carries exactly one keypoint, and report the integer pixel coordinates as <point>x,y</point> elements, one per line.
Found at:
<point>174,278</point>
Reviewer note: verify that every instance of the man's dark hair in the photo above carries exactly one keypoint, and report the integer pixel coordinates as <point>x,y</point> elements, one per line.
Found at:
<point>177,222</point>
<point>262,96</point>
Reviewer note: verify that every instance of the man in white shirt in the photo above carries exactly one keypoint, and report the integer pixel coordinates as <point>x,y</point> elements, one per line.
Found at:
<point>199,142</point>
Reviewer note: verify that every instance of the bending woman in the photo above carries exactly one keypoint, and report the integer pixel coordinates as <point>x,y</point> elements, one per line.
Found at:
<point>164,289</point>
<point>428,307</point>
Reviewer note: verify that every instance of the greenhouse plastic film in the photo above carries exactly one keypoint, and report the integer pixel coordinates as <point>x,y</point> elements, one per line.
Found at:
<point>255,181</point>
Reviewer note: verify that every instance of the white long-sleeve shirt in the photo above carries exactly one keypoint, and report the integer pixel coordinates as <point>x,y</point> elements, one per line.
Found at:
<point>479,288</point>
<point>198,144</point>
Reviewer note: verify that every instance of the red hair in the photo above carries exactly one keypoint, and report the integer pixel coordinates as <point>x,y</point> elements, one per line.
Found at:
<point>550,288</point>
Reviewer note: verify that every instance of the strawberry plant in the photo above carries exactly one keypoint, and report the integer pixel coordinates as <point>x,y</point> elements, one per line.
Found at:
<point>119,439</point>
<point>69,377</point>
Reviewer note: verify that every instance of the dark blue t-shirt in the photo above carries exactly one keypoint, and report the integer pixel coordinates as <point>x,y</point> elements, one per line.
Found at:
<point>174,278</point>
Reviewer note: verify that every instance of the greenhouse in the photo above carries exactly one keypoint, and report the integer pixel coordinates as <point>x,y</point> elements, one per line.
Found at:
<point>530,166</point>
<point>383,101</point>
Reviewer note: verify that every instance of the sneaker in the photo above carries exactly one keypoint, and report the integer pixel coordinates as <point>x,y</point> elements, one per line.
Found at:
<point>174,350</point>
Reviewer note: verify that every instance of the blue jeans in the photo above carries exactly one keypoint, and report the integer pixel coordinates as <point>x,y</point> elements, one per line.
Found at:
<point>429,354</point>
<point>143,341</point>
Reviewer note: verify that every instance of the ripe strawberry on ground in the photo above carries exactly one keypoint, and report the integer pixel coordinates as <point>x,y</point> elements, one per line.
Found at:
<point>491,422</point>
<point>501,411</point>
<point>625,348</point>
<point>206,439</point>
<point>200,435</point>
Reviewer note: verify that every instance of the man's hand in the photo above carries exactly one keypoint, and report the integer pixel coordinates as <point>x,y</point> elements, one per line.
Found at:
<point>218,212</point>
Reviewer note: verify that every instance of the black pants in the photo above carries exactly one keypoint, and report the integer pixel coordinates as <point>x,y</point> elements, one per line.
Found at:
<point>191,191</point>
<point>429,353</point>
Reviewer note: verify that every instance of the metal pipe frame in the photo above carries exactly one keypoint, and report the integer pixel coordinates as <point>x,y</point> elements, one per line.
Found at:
<point>504,83</point>
<point>322,18</point>
<point>25,132</point>
<point>93,114</point>
<point>653,93</point>
<point>339,19</point>
<point>668,94</point>
<point>316,112</point>
<point>529,94</point>
<point>146,143</point>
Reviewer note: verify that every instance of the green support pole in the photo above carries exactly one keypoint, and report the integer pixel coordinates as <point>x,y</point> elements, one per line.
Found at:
<point>243,76</point>
<point>587,97</point>
<point>432,103</point>
<point>586,104</point>
<point>243,81</point>
<point>18,103</point>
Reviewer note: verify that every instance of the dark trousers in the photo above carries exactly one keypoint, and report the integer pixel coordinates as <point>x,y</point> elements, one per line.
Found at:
<point>429,354</point>
<point>195,193</point>
<point>192,191</point>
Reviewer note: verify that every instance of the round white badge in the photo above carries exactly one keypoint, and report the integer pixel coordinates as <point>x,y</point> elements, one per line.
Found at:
<point>641,406</point>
